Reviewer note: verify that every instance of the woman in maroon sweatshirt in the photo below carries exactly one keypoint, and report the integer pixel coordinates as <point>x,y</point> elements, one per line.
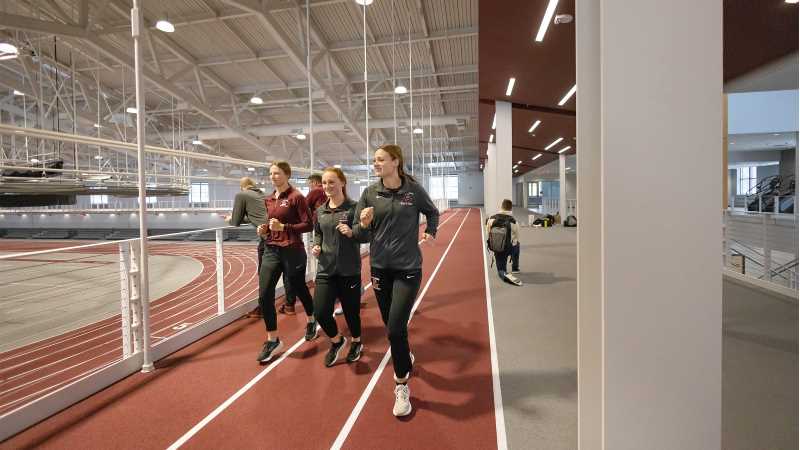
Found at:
<point>288,217</point>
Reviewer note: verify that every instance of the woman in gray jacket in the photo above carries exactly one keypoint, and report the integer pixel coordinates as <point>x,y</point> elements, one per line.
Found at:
<point>339,266</point>
<point>388,213</point>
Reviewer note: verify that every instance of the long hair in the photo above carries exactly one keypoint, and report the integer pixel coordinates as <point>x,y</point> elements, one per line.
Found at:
<point>397,154</point>
<point>339,174</point>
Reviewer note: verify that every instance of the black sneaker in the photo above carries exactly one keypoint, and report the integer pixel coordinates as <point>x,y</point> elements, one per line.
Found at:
<point>355,351</point>
<point>333,354</point>
<point>269,350</point>
<point>311,331</point>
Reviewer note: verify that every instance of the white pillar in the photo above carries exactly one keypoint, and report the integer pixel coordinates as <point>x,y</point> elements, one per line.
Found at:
<point>649,287</point>
<point>490,179</point>
<point>562,187</point>
<point>503,171</point>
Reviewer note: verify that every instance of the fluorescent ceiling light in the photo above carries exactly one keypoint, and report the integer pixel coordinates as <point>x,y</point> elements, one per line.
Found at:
<point>533,127</point>
<point>256,100</point>
<point>97,125</point>
<point>5,47</point>
<point>34,161</point>
<point>494,121</point>
<point>554,143</point>
<point>792,1</point>
<point>197,142</point>
<point>364,2</point>
<point>519,162</point>
<point>338,166</point>
<point>418,130</point>
<point>300,136</point>
<point>165,25</point>
<point>565,149</point>
<point>16,92</point>
<point>510,87</point>
<point>251,169</point>
<point>491,138</point>
<point>6,57</point>
<point>548,17</point>
<point>400,89</point>
<point>536,157</point>
<point>98,157</point>
<point>568,95</point>
<point>131,110</point>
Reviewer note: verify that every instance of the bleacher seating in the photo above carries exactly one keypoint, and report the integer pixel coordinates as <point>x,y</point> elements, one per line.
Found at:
<point>202,236</point>
<point>53,234</point>
<point>20,233</point>
<point>90,234</point>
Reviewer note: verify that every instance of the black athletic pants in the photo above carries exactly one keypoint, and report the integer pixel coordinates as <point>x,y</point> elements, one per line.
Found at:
<point>396,292</point>
<point>348,291</point>
<point>291,263</point>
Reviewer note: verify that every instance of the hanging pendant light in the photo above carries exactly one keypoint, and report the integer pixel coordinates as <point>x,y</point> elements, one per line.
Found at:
<point>400,89</point>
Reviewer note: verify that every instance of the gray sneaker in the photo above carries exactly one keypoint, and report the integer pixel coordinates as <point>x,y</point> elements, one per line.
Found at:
<point>402,401</point>
<point>333,354</point>
<point>269,350</point>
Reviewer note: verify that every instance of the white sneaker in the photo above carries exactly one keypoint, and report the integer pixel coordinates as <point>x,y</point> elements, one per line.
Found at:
<point>513,280</point>
<point>338,311</point>
<point>402,401</point>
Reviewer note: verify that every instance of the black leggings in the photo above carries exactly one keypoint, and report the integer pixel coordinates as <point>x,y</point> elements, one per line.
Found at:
<point>291,263</point>
<point>396,291</point>
<point>348,291</point>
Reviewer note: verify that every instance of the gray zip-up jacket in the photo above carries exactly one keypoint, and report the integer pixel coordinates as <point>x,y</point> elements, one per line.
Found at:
<point>339,254</point>
<point>394,231</point>
<point>249,207</point>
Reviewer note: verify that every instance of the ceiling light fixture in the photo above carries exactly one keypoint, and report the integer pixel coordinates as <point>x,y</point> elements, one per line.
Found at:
<point>793,2</point>
<point>510,87</point>
<point>165,25</point>
<point>568,95</point>
<point>554,143</point>
<point>400,89</point>
<point>494,121</point>
<point>34,161</point>
<point>548,17</point>
<point>197,142</point>
<point>97,125</point>
<point>11,56</point>
<point>491,138</point>
<point>16,92</point>
<point>364,2</point>
<point>5,47</point>
<point>533,127</point>
<point>131,110</point>
<point>519,162</point>
<point>256,100</point>
<point>338,166</point>
<point>98,157</point>
<point>418,130</point>
<point>536,157</point>
<point>251,169</point>
<point>300,136</point>
<point>564,149</point>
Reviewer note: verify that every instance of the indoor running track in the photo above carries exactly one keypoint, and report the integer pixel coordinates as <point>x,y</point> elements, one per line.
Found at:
<point>212,394</point>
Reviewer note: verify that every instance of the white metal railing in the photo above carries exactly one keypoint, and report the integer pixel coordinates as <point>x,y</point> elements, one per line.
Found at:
<point>121,206</point>
<point>762,246</point>
<point>763,203</point>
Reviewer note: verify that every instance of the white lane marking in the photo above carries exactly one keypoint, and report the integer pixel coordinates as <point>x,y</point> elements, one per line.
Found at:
<point>499,415</point>
<point>348,425</point>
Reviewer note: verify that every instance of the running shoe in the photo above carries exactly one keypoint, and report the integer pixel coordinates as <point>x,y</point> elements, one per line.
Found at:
<point>286,309</point>
<point>333,354</point>
<point>269,350</point>
<point>355,351</point>
<point>515,271</point>
<point>509,278</point>
<point>338,311</point>
<point>402,401</point>
<point>311,330</point>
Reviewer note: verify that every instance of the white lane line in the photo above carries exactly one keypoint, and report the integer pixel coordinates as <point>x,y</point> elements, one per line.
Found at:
<point>499,415</point>
<point>183,439</point>
<point>348,425</point>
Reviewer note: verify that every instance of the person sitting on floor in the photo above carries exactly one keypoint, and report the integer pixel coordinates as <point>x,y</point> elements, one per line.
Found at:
<point>503,232</point>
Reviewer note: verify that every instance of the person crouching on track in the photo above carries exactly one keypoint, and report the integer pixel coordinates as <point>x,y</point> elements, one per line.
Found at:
<point>503,232</point>
<point>388,213</point>
<point>339,266</point>
<point>288,218</point>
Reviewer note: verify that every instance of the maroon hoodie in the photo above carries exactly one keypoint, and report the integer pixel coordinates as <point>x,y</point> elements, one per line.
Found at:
<point>291,209</point>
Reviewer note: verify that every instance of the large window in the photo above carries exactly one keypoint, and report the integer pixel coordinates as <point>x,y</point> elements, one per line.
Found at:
<point>198,193</point>
<point>450,187</point>
<point>98,201</point>
<point>746,180</point>
<point>533,189</point>
<point>149,200</point>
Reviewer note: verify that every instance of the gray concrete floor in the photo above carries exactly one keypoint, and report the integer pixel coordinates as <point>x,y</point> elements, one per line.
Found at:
<point>40,299</point>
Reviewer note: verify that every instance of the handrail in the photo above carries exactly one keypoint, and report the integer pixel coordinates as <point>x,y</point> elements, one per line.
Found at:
<point>80,247</point>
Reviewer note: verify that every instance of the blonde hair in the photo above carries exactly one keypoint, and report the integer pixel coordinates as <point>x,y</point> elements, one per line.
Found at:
<point>246,183</point>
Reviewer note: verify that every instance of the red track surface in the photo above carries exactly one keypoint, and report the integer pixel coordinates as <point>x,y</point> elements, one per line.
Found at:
<point>302,404</point>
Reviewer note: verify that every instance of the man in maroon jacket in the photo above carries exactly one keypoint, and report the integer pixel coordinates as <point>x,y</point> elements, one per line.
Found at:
<point>316,195</point>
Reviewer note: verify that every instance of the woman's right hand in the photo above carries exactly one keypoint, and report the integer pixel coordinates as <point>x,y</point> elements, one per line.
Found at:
<point>262,230</point>
<point>366,216</point>
<point>316,250</point>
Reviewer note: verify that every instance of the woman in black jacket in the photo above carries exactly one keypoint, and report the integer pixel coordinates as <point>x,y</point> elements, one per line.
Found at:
<point>339,266</point>
<point>388,213</point>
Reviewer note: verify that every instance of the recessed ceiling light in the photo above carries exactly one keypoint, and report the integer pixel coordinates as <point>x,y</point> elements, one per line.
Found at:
<point>165,25</point>
<point>567,96</point>
<point>494,121</point>
<point>519,162</point>
<point>400,89</point>
<point>554,143</point>
<point>491,138</point>
<point>533,127</point>
<point>16,92</point>
<point>565,149</point>
<point>256,100</point>
<point>131,110</point>
<point>548,17</point>
<point>300,136</point>
<point>5,47</point>
<point>510,87</point>
<point>536,157</point>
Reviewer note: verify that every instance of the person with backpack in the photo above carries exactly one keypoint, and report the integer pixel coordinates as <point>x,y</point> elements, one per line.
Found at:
<point>503,240</point>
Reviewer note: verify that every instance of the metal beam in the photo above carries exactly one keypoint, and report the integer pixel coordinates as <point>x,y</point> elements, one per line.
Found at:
<point>40,26</point>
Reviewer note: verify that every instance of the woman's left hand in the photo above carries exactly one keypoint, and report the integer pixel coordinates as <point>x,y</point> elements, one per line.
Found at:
<point>345,229</point>
<point>275,225</point>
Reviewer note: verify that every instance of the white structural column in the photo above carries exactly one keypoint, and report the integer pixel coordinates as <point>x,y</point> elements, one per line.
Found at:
<point>490,179</point>
<point>562,187</point>
<point>649,281</point>
<point>503,172</point>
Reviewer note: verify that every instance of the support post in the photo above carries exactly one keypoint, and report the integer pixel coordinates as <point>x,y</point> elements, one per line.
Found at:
<point>220,274</point>
<point>125,299</point>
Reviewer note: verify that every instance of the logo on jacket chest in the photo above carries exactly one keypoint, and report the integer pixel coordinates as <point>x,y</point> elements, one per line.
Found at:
<point>284,203</point>
<point>407,199</point>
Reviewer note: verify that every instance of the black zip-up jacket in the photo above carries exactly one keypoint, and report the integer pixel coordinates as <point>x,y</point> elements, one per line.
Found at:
<point>394,231</point>
<point>339,255</point>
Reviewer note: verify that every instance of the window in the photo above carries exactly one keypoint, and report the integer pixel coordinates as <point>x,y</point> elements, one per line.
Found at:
<point>304,190</point>
<point>149,200</point>
<point>98,200</point>
<point>746,180</point>
<point>436,190</point>
<point>451,187</point>
<point>533,189</point>
<point>198,193</point>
